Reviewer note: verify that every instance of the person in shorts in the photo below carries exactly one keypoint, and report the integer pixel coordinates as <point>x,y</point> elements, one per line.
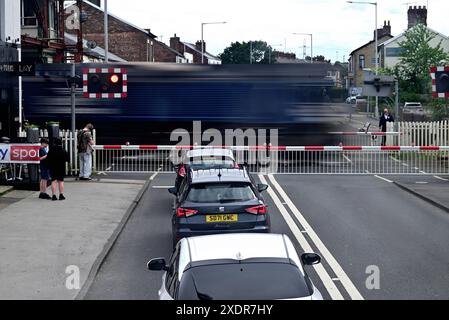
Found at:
<point>57,159</point>
<point>45,173</point>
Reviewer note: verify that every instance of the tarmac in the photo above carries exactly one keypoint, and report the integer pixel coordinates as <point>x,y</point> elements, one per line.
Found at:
<point>43,244</point>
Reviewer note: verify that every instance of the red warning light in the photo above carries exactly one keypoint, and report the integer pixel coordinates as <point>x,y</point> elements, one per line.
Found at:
<point>114,78</point>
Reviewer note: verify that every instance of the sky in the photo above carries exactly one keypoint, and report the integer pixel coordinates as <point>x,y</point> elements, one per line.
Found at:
<point>337,26</point>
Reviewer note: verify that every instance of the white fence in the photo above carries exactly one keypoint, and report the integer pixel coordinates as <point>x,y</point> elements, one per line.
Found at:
<point>424,133</point>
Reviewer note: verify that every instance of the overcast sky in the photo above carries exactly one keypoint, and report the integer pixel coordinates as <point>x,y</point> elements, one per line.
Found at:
<point>335,24</point>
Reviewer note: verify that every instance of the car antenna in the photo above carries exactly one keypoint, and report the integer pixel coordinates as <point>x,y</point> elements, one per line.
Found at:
<point>219,173</point>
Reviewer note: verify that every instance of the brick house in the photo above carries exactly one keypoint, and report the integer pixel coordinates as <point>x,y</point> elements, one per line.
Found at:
<point>193,52</point>
<point>363,58</point>
<point>126,40</point>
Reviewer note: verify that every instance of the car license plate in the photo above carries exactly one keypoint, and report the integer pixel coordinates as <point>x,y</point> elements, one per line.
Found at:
<point>222,218</point>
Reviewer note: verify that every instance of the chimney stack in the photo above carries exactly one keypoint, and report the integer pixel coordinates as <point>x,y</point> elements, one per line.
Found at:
<point>384,31</point>
<point>175,44</point>
<point>417,15</point>
<point>198,45</point>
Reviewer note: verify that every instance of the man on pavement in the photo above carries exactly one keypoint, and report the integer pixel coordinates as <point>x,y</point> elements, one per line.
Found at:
<point>85,149</point>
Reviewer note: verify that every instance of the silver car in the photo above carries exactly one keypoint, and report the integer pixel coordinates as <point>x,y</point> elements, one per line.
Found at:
<point>236,267</point>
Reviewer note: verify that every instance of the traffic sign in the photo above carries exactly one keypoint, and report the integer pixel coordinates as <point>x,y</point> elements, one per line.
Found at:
<point>440,82</point>
<point>105,83</point>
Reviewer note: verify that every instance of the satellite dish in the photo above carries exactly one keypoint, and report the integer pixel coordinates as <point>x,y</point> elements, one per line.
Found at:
<point>91,44</point>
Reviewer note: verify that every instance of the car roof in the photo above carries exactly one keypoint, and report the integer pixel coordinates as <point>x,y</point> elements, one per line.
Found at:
<point>241,247</point>
<point>236,246</point>
<point>216,152</point>
<point>219,175</point>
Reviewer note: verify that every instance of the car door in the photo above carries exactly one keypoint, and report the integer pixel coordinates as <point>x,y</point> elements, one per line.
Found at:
<point>171,279</point>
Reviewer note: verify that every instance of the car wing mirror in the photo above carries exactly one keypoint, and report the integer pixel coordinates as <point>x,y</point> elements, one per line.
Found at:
<point>262,187</point>
<point>310,259</point>
<point>173,191</point>
<point>157,264</point>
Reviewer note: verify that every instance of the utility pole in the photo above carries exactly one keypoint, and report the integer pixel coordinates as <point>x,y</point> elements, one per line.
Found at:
<point>106,32</point>
<point>72,83</point>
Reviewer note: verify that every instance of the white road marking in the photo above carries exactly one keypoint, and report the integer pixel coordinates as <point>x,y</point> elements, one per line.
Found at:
<point>421,182</point>
<point>162,187</point>
<point>384,179</point>
<point>442,179</point>
<point>322,273</point>
<point>338,270</point>
<point>154,175</point>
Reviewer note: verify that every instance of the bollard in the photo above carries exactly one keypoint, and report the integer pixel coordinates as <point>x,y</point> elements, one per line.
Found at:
<point>33,169</point>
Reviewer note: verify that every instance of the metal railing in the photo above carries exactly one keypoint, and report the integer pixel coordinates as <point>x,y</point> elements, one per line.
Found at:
<point>286,160</point>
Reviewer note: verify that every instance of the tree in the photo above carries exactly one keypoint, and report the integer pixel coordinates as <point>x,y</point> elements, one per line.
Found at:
<point>417,57</point>
<point>240,53</point>
<point>319,58</point>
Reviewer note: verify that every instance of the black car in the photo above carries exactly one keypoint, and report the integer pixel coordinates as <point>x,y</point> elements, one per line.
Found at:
<point>218,201</point>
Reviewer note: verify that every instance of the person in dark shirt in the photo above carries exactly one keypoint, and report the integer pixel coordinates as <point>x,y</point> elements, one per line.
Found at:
<point>45,173</point>
<point>57,158</point>
<point>384,119</point>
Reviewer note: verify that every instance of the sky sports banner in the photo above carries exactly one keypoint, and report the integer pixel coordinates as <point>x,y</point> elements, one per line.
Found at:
<point>19,153</point>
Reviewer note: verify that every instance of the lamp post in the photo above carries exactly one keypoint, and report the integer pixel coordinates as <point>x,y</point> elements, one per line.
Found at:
<point>106,33</point>
<point>311,43</point>
<point>376,53</point>
<point>202,37</point>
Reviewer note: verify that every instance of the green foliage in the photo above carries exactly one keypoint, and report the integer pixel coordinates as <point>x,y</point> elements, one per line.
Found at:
<point>318,58</point>
<point>439,109</point>
<point>417,57</point>
<point>240,53</point>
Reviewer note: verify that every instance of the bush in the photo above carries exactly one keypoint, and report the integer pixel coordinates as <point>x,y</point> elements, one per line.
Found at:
<point>439,109</point>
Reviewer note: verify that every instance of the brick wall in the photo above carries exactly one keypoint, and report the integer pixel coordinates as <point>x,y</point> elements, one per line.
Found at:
<point>125,41</point>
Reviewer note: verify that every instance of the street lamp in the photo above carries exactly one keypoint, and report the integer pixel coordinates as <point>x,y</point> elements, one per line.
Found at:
<point>376,53</point>
<point>202,37</point>
<point>106,32</point>
<point>311,43</point>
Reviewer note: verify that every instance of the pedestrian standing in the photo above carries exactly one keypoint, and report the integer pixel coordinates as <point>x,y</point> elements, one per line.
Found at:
<point>57,159</point>
<point>85,149</point>
<point>45,173</point>
<point>384,119</point>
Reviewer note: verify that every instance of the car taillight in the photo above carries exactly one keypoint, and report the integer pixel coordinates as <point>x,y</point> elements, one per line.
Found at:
<point>181,212</point>
<point>182,171</point>
<point>257,210</point>
<point>236,165</point>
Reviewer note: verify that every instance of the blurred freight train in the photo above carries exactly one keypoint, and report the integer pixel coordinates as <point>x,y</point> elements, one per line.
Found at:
<point>162,97</point>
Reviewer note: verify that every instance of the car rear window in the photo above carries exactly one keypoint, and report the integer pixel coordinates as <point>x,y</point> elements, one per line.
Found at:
<point>220,192</point>
<point>204,163</point>
<point>413,105</point>
<point>243,281</point>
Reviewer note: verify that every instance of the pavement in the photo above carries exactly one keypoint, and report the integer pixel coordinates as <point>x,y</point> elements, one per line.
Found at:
<point>356,223</point>
<point>40,239</point>
<point>433,189</point>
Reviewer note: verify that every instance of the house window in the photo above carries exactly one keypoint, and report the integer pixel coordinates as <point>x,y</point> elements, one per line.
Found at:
<point>53,19</point>
<point>29,18</point>
<point>393,52</point>
<point>362,61</point>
